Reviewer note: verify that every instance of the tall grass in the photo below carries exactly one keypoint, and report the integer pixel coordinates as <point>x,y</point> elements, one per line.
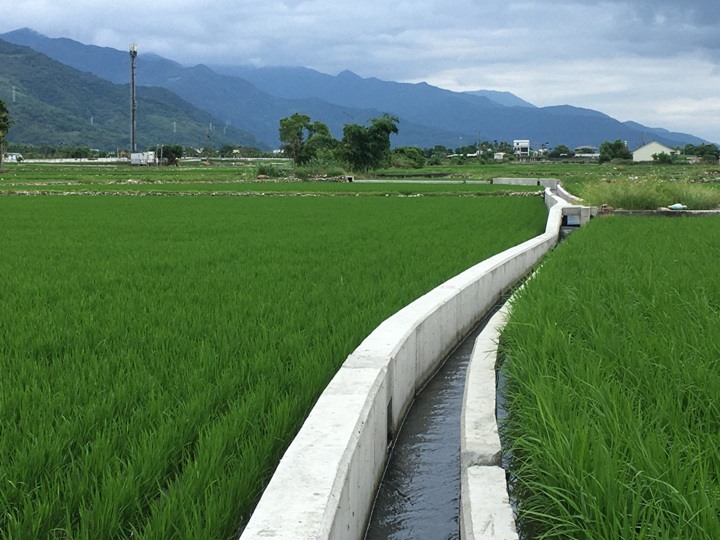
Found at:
<point>613,394</point>
<point>650,193</point>
<point>158,354</point>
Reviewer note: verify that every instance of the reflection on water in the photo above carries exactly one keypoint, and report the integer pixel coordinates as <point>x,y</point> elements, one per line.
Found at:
<point>419,495</point>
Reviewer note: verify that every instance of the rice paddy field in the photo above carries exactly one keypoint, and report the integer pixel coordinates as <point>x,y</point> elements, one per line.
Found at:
<point>612,384</point>
<point>630,186</point>
<point>159,353</point>
<point>218,180</point>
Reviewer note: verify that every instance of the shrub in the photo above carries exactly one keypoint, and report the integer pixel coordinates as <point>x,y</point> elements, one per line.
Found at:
<point>270,170</point>
<point>320,167</point>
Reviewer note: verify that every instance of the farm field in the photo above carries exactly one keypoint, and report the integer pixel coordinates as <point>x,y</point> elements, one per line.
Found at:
<point>621,185</point>
<point>612,384</point>
<point>216,179</point>
<point>159,353</point>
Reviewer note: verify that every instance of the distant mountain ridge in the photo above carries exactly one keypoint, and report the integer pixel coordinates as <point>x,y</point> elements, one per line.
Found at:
<point>255,98</point>
<point>60,106</point>
<point>503,98</point>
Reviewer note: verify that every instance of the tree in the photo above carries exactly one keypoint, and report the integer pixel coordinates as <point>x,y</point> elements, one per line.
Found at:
<point>466,149</point>
<point>302,139</point>
<point>560,151</point>
<point>367,147</point>
<point>79,152</point>
<point>4,128</point>
<point>614,150</point>
<point>405,157</point>
<point>172,153</point>
<point>663,158</point>
<point>708,152</point>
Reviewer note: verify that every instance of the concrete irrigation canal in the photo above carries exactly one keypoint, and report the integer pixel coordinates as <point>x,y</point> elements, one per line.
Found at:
<point>419,495</point>
<point>326,483</point>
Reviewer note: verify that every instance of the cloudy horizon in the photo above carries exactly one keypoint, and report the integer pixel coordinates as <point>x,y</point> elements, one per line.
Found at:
<point>653,62</point>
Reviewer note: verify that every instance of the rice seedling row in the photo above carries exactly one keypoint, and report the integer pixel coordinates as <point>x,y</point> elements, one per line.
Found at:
<point>158,354</point>
<point>612,363</point>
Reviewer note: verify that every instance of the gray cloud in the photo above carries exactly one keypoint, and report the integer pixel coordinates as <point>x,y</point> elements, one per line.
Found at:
<point>645,57</point>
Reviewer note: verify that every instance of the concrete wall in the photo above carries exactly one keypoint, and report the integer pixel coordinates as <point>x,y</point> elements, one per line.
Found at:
<point>569,197</point>
<point>325,483</point>
<point>485,510</point>
<point>544,182</point>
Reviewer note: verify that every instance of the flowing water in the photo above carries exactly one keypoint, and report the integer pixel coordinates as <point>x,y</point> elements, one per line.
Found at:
<point>419,495</point>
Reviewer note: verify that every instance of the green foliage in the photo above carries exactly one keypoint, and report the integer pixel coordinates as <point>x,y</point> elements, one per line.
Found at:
<point>407,157</point>
<point>5,122</point>
<point>226,151</point>
<point>219,177</point>
<point>368,147</point>
<point>561,151</point>
<point>302,139</point>
<point>270,170</point>
<point>233,151</point>
<point>710,153</point>
<point>322,166</point>
<point>612,384</point>
<point>439,151</point>
<point>663,158</point>
<point>614,150</point>
<point>466,149</point>
<point>171,153</point>
<point>152,377</point>
<point>4,128</point>
<point>80,152</point>
<point>650,193</point>
<point>60,106</point>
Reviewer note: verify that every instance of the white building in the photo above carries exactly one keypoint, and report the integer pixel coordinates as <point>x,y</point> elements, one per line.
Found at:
<point>645,152</point>
<point>521,147</point>
<point>143,158</point>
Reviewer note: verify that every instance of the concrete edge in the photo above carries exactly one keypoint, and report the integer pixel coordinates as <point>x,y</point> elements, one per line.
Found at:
<point>325,483</point>
<point>490,516</point>
<point>485,510</point>
<point>479,439</point>
<point>566,195</point>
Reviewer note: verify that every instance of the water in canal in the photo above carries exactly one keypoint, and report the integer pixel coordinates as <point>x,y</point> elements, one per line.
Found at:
<point>419,495</point>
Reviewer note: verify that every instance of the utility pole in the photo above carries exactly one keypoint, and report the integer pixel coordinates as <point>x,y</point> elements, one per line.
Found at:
<point>133,101</point>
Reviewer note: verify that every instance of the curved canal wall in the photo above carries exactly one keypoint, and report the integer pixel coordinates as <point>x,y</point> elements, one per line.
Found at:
<point>485,510</point>
<point>325,483</point>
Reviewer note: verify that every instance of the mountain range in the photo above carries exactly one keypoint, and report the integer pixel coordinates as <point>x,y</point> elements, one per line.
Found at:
<point>254,99</point>
<point>56,105</point>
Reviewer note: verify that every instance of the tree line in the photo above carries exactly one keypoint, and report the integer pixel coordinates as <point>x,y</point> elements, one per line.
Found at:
<point>361,147</point>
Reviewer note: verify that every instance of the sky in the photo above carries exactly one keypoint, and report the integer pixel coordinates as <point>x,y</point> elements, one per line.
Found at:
<point>656,62</point>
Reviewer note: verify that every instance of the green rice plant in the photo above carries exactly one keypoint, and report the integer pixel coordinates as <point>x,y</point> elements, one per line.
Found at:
<point>612,357</point>
<point>159,353</point>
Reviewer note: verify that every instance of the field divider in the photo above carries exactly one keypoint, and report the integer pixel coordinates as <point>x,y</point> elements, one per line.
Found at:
<point>325,484</point>
<point>485,510</point>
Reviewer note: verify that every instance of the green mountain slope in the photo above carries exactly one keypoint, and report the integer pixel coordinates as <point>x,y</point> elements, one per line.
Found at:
<point>57,105</point>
